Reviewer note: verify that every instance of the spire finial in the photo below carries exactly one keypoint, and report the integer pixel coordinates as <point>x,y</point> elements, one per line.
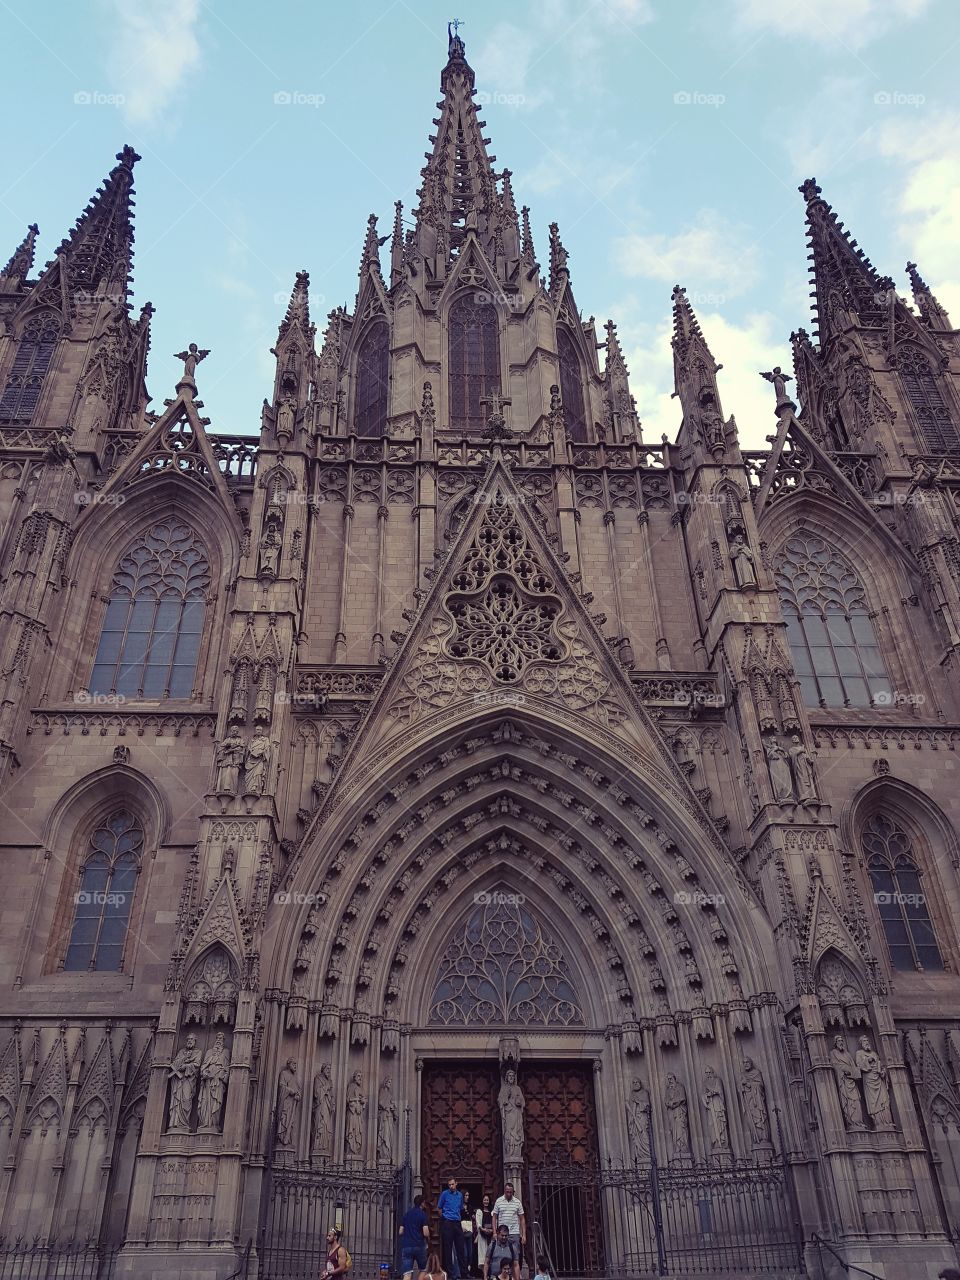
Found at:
<point>455,47</point>
<point>298,308</point>
<point>22,260</point>
<point>926,302</point>
<point>779,379</point>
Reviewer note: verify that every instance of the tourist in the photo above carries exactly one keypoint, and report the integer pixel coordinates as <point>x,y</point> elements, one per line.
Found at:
<point>450,1208</point>
<point>484,1224</point>
<point>508,1212</point>
<point>469,1234</point>
<point>414,1237</point>
<point>543,1274</point>
<point>502,1253</point>
<point>433,1270</point>
<point>338,1260</point>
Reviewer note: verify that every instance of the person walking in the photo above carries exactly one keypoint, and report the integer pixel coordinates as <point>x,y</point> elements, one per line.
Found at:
<point>484,1234</point>
<point>450,1208</point>
<point>469,1235</point>
<point>508,1212</point>
<point>433,1269</point>
<point>503,1253</point>
<point>338,1260</point>
<point>414,1238</point>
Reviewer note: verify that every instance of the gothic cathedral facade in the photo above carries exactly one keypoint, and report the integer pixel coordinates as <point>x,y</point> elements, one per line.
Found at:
<point>451,780</point>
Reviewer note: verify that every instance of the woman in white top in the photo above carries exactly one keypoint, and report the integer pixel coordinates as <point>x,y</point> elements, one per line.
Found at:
<point>484,1232</point>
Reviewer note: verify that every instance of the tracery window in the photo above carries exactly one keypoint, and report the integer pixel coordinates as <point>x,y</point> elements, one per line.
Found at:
<point>30,364</point>
<point>938,431</point>
<point>571,387</point>
<point>832,637</point>
<point>105,895</point>
<point>373,372</point>
<point>474,361</point>
<point>899,895</point>
<point>504,969</point>
<point>150,640</point>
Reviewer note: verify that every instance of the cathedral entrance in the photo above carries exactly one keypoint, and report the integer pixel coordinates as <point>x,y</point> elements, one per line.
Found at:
<point>460,1128</point>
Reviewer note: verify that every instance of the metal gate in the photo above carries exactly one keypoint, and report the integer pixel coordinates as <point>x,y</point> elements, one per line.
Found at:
<point>690,1219</point>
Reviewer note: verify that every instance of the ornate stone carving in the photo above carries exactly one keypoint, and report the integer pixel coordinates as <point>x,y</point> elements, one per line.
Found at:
<point>184,1071</point>
<point>229,760</point>
<point>256,762</point>
<point>781,779</point>
<point>744,565</point>
<point>753,1091</point>
<point>848,1075</point>
<point>715,1104</point>
<point>386,1123</point>
<point>289,1094</point>
<point>876,1090</point>
<point>638,1121</point>
<point>511,1103</point>
<point>214,1071</point>
<point>678,1123</point>
<point>356,1106</point>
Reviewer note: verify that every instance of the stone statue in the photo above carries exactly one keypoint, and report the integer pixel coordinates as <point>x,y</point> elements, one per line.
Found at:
<point>289,1095</point>
<point>213,1083</point>
<point>511,1103</point>
<point>229,758</point>
<point>802,770</point>
<point>386,1123</point>
<point>271,545</point>
<point>256,762</point>
<point>754,1094</point>
<point>61,451</point>
<point>638,1121</point>
<point>780,776</point>
<point>715,1103</point>
<point>744,564</point>
<point>779,380</point>
<point>876,1091</point>
<point>286,419</point>
<point>321,1118</point>
<point>847,1073</point>
<point>675,1098</point>
<point>356,1105</point>
<point>183,1085</point>
<point>191,358</point>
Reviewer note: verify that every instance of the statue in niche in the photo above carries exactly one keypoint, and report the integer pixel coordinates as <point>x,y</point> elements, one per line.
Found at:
<point>271,545</point>
<point>711,424</point>
<point>289,1095</point>
<point>213,1083</point>
<point>638,1121</point>
<point>183,1085</point>
<point>229,759</point>
<point>715,1104</point>
<point>675,1098</point>
<point>286,419</point>
<point>356,1105</point>
<point>876,1091</point>
<point>744,563</point>
<point>780,777</point>
<point>256,762</point>
<point>848,1074</point>
<point>511,1103</point>
<point>386,1123</point>
<point>321,1119</point>
<point>802,770</point>
<point>754,1094</point>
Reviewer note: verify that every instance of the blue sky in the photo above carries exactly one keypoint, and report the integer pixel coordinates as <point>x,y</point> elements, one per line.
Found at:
<point>667,140</point>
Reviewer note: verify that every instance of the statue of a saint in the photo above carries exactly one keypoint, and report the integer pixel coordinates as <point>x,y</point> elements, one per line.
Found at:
<point>715,1103</point>
<point>638,1121</point>
<point>229,758</point>
<point>675,1098</point>
<point>286,419</point>
<point>780,776</point>
<point>183,1085</point>
<point>754,1094</point>
<point>213,1083</point>
<point>256,762</point>
<point>876,1091</point>
<point>511,1103</point>
<point>802,770</point>
<point>848,1074</point>
<point>386,1123</point>
<point>322,1113</point>
<point>271,546</point>
<point>191,358</point>
<point>356,1104</point>
<point>744,565</point>
<point>779,380</point>
<point>289,1094</point>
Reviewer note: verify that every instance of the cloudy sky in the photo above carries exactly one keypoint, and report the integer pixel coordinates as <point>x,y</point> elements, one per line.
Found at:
<point>667,140</point>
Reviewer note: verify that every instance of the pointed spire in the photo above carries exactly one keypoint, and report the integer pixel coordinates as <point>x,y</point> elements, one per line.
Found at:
<point>396,244</point>
<point>371,248</point>
<point>19,266</point>
<point>558,259</point>
<point>615,362</point>
<point>688,341</point>
<point>926,302</point>
<point>298,308</point>
<point>99,249</point>
<point>842,276</point>
<point>528,255</point>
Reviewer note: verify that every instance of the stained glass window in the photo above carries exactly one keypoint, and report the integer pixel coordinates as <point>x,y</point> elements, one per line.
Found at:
<point>151,633</point>
<point>30,365</point>
<point>899,896</point>
<point>373,371</point>
<point>571,387</point>
<point>474,361</point>
<point>938,431</point>
<point>832,638</point>
<point>104,897</point>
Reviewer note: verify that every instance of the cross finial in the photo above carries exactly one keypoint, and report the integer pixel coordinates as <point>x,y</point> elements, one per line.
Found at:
<point>457,23</point>
<point>495,402</point>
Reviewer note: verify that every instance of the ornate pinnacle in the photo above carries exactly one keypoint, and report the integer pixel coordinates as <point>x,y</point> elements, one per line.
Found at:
<point>558,257</point>
<point>19,265</point>
<point>928,306</point>
<point>298,308</point>
<point>809,189</point>
<point>615,361</point>
<point>371,247</point>
<point>527,251</point>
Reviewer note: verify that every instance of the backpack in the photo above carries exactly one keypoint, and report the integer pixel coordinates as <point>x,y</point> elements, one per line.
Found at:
<point>348,1260</point>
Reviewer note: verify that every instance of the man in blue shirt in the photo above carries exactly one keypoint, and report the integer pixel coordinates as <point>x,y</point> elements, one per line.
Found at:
<point>450,1208</point>
<point>414,1237</point>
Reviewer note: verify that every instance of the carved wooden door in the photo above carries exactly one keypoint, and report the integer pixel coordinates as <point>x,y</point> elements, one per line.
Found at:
<point>460,1128</point>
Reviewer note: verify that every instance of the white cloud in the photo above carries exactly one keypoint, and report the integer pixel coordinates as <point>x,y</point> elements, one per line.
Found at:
<point>851,23</point>
<point>710,252</point>
<point>151,52</point>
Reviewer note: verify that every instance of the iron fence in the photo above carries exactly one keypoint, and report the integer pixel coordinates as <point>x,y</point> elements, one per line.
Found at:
<point>36,1259</point>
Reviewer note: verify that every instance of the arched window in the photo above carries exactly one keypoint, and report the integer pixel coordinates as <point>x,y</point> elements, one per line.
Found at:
<point>30,365</point>
<point>571,387</point>
<point>151,633</point>
<point>834,645</point>
<point>899,896</point>
<point>938,431</point>
<point>474,361</point>
<point>373,371</point>
<point>104,898</point>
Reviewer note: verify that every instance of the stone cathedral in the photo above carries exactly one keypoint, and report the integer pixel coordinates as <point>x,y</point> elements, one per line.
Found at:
<point>450,781</point>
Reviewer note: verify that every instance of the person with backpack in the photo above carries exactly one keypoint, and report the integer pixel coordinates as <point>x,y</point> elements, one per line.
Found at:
<point>414,1237</point>
<point>502,1253</point>
<point>339,1261</point>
